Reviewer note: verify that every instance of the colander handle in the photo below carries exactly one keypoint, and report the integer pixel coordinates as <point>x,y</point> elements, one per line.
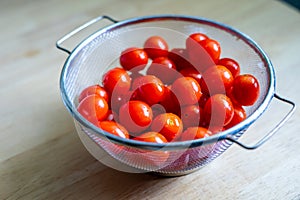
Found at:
<point>273,131</point>
<point>80,28</point>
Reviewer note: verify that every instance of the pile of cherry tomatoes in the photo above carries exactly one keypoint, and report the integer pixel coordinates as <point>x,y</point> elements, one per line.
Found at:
<point>161,95</point>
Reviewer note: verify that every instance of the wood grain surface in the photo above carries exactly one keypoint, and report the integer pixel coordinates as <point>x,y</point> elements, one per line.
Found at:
<point>41,155</point>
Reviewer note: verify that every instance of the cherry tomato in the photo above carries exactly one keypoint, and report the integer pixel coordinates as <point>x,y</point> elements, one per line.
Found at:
<point>93,89</point>
<point>239,116</point>
<point>217,79</point>
<point>192,72</point>
<point>230,64</point>
<point>245,89</point>
<point>191,115</point>
<point>170,101</point>
<point>164,69</point>
<point>133,58</point>
<point>180,57</point>
<point>167,124</point>
<point>218,110</point>
<point>135,116</point>
<point>114,128</point>
<point>94,108</point>
<point>198,55</point>
<point>149,89</point>
<point>156,46</point>
<point>195,133</point>
<point>151,137</point>
<point>187,90</point>
<point>195,39</point>
<point>116,80</point>
<point>200,59</point>
<point>230,95</point>
<point>213,48</point>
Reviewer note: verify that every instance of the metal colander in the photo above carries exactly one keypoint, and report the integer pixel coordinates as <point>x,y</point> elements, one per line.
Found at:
<point>100,51</point>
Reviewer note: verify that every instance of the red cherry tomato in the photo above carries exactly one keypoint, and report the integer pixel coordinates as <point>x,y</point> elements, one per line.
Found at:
<point>167,124</point>
<point>151,137</point>
<point>213,48</point>
<point>170,101</point>
<point>133,58</point>
<point>195,133</point>
<point>135,116</point>
<point>114,128</point>
<point>180,57</point>
<point>200,59</point>
<point>191,72</point>
<point>239,116</point>
<point>94,108</point>
<point>93,89</point>
<point>245,89</point>
<point>195,39</point>
<point>116,80</point>
<point>187,90</point>
<point>198,54</point>
<point>217,79</point>
<point>156,46</point>
<point>164,69</point>
<point>218,110</point>
<point>191,115</point>
<point>149,89</point>
<point>230,95</point>
<point>230,64</point>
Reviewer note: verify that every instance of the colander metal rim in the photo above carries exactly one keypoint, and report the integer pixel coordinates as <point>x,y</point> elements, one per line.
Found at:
<point>171,145</point>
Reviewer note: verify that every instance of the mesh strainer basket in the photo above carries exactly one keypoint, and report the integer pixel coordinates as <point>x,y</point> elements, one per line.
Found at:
<point>100,51</point>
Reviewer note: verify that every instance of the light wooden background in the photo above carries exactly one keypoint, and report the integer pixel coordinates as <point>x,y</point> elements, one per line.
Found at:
<point>41,155</point>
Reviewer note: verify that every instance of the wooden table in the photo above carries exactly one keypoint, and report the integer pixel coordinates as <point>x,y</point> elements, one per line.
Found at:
<point>42,157</point>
